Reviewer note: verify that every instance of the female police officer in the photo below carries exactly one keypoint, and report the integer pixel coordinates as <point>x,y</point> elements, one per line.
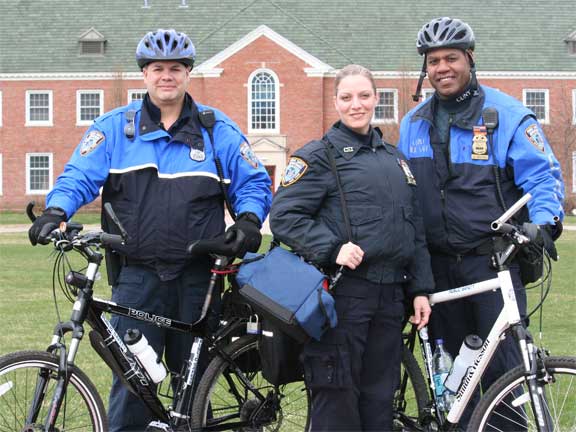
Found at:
<point>353,371</point>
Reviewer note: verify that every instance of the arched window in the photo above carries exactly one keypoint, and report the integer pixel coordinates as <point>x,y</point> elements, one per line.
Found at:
<point>263,102</point>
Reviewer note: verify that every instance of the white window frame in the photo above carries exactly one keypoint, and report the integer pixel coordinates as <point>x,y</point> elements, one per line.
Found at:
<point>277,86</point>
<point>48,122</point>
<point>134,91</point>
<point>79,93</point>
<point>546,119</point>
<point>50,174</point>
<point>395,106</point>
<point>426,91</point>
<point>0,108</point>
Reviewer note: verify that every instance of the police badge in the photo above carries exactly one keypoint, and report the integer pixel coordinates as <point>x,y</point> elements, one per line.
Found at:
<point>479,143</point>
<point>90,141</point>
<point>248,154</point>
<point>533,134</point>
<point>295,169</point>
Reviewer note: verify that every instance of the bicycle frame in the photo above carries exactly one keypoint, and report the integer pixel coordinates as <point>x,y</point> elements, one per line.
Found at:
<point>109,345</point>
<point>508,318</point>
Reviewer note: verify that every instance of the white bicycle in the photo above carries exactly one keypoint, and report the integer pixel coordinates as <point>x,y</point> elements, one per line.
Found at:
<point>539,395</point>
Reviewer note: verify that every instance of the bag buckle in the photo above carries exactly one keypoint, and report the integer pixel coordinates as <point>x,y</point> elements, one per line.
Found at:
<point>253,325</point>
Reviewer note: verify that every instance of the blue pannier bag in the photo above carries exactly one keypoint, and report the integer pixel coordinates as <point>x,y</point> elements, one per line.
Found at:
<point>289,291</point>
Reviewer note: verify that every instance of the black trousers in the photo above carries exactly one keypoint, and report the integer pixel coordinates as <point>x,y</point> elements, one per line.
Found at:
<point>354,370</point>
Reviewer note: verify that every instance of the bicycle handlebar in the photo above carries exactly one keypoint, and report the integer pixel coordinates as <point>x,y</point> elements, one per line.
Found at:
<point>216,246</point>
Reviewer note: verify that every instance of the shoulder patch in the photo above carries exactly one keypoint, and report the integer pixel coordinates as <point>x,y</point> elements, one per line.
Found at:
<point>295,169</point>
<point>534,135</point>
<point>90,141</point>
<point>248,155</point>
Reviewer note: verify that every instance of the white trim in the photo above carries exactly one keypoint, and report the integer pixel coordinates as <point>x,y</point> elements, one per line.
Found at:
<point>1,175</point>
<point>395,106</point>
<point>48,122</point>
<point>276,129</point>
<point>167,176</point>
<point>199,72</point>
<point>79,93</point>
<point>50,174</point>
<point>573,106</point>
<point>134,91</point>
<point>208,68</point>
<point>0,108</point>
<point>546,119</point>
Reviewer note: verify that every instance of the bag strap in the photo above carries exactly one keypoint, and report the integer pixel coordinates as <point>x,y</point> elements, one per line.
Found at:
<point>327,144</point>
<point>208,120</point>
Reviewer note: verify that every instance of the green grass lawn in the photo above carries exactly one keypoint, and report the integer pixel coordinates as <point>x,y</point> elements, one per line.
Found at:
<point>28,313</point>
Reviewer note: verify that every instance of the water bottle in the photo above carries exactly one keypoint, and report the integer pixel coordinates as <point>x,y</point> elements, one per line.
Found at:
<point>441,365</point>
<point>465,358</point>
<point>139,346</point>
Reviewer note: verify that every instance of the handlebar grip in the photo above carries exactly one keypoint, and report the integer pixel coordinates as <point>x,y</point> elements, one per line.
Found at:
<point>206,247</point>
<point>111,240</point>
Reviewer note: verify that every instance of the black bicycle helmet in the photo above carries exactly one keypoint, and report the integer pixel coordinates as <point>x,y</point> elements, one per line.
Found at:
<point>162,45</point>
<point>445,32</point>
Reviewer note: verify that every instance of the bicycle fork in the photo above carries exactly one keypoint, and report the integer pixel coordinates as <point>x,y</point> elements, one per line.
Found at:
<point>535,376</point>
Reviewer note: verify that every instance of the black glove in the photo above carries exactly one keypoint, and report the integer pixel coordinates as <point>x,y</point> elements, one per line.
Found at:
<point>244,236</point>
<point>541,236</point>
<point>45,224</point>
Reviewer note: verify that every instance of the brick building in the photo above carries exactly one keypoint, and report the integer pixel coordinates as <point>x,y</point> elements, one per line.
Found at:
<point>268,64</point>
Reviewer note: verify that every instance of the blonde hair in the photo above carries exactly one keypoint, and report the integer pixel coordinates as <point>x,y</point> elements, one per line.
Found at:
<point>353,69</point>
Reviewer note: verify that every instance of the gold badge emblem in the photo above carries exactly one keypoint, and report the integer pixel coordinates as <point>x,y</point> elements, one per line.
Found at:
<point>479,143</point>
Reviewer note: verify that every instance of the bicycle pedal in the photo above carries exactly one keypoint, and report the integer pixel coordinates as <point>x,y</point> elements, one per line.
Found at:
<point>157,426</point>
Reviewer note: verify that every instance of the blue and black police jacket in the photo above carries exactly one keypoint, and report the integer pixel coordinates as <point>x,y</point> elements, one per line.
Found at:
<point>458,191</point>
<point>165,190</point>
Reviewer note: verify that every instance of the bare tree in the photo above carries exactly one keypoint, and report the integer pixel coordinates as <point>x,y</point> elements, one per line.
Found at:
<point>561,134</point>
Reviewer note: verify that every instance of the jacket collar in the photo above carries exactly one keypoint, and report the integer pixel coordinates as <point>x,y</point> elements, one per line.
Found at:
<point>464,120</point>
<point>186,129</point>
<point>347,143</point>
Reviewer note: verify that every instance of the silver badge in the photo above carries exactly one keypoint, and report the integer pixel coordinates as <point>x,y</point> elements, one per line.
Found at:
<point>197,155</point>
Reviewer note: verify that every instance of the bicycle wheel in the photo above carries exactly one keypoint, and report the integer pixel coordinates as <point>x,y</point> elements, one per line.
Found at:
<point>32,375</point>
<point>411,398</point>
<point>224,402</point>
<point>506,405</point>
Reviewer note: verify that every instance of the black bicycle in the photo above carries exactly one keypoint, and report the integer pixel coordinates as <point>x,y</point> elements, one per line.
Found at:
<point>46,391</point>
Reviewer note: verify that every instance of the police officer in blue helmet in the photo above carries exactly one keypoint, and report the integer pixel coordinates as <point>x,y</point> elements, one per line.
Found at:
<point>155,161</point>
<point>474,151</point>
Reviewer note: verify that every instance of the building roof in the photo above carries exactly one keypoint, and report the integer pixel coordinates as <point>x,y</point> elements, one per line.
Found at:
<point>39,36</point>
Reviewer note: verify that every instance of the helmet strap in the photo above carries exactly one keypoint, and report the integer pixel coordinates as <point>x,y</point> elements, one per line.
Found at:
<point>473,80</point>
<point>416,96</point>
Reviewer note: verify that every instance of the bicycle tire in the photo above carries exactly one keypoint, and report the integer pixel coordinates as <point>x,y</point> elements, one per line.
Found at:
<point>410,402</point>
<point>559,400</point>
<point>222,401</point>
<point>82,408</point>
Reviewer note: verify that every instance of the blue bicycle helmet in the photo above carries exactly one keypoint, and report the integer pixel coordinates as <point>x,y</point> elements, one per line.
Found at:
<point>445,32</point>
<point>162,45</point>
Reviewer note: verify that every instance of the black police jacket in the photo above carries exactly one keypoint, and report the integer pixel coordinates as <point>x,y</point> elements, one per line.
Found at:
<point>380,196</point>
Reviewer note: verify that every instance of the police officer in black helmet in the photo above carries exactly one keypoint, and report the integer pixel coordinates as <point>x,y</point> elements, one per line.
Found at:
<point>474,151</point>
